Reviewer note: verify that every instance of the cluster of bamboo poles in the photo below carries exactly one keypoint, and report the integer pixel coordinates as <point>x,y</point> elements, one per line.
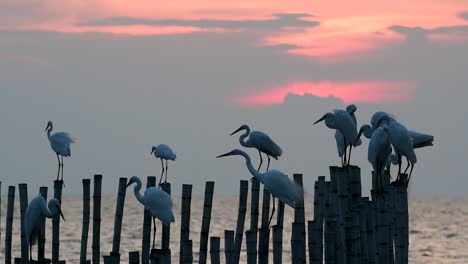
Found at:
<point>347,228</point>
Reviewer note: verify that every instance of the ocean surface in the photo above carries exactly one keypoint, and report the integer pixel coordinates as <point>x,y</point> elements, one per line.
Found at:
<point>438,228</point>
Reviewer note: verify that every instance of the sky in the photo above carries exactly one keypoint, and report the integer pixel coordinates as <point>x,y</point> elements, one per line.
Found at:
<point>122,76</point>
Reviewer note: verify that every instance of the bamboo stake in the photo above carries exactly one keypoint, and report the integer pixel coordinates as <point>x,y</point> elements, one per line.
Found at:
<point>9,223</point>
<point>185,219</point>
<point>339,203</point>
<point>299,219</point>
<point>205,228</point>
<point>85,227</point>
<point>229,246</point>
<point>119,210</point>
<point>243,192</point>
<point>187,249</point>
<point>251,245</point>
<point>363,230</point>
<point>315,244</point>
<point>23,193</point>
<point>146,237</point>
<point>96,248</point>
<point>41,238</point>
<point>166,231</point>
<point>264,232</point>
<point>254,201</point>
<point>58,185</point>
<point>134,257</point>
<point>277,244</point>
<point>214,250</point>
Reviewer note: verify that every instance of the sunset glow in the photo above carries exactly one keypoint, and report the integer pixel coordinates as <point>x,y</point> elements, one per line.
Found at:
<point>348,92</point>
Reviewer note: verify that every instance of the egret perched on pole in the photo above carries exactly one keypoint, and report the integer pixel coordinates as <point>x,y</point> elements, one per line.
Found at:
<point>276,182</point>
<point>379,151</point>
<point>261,141</point>
<point>339,138</point>
<point>402,144</point>
<point>32,218</point>
<point>344,123</point>
<point>156,201</point>
<point>163,152</point>
<point>60,144</point>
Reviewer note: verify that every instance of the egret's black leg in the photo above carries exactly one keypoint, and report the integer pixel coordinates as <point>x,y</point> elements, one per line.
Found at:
<point>162,172</point>
<point>58,169</point>
<point>345,151</point>
<point>272,211</point>
<point>407,166</point>
<point>268,165</point>
<point>261,160</point>
<point>166,173</point>
<point>30,251</point>
<point>61,157</point>
<point>411,172</point>
<point>399,166</point>
<point>154,230</point>
<point>388,168</point>
<point>342,161</point>
<point>349,156</point>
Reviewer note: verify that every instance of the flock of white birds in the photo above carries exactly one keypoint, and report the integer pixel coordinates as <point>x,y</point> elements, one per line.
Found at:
<point>386,135</point>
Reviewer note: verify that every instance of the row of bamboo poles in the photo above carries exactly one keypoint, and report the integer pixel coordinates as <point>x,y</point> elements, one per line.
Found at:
<point>346,227</point>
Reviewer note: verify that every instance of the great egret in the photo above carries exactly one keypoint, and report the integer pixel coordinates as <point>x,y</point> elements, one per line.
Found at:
<point>163,152</point>
<point>32,218</point>
<point>276,182</point>
<point>60,144</point>
<point>401,142</point>
<point>339,138</point>
<point>156,201</point>
<point>342,121</point>
<point>261,141</point>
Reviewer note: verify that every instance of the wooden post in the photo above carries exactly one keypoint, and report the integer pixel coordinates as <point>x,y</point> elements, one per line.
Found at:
<point>264,232</point>
<point>277,244</point>
<point>214,250</point>
<point>402,222</point>
<point>254,212</point>
<point>119,210</point>
<point>229,246</point>
<point>41,237</point>
<point>363,229</point>
<point>251,244</point>
<point>339,203</point>
<point>23,193</point>
<point>9,223</point>
<point>298,254</point>
<point>205,228</point>
<point>185,219</point>
<point>58,185</point>
<point>243,192</point>
<point>166,231</point>
<point>299,218</point>
<point>372,232</point>
<point>134,257</point>
<point>187,249</point>
<point>330,241</point>
<point>146,237</point>
<point>96,248</point>
<point>316,229</point>
<point>85,228</point>
<point>315,237</point>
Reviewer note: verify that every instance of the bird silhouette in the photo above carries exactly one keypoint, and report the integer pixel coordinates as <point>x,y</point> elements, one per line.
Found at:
<point>60,144</point>
<point>163,152</point>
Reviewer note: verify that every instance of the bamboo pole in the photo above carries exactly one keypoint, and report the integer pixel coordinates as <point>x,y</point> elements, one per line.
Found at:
<point>58,185</point>
<point>298,254</point>
<point>119,210</point>
<point>205,228</point>
<point>339,202</point>
<point>9,223</point>
<point>185,218</point>
<point>187,249</point>
<point>315,238</point>
<point>355,188</point>
<point>214,250</point>
<point>146,237</point>
<point>254,201</point>
<point>166,231</point>
<point>134,257</point>
<point>251,245</point>
<point>264,231</point>
<point>299,218</point>
<point>363,230</point>
<point>243,192</point>
<point>277,244</point>
<point>85,228</point>
<point>229,246</point>
<point>23,193</point>
<point>96,248</point>
<point>372,232</point>
<point>41,237</point>
<point>316,230</point>
<point>402,227</point>
<point>330,241</point>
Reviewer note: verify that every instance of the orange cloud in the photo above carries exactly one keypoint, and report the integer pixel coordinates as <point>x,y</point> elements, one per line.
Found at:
<point>348,92</point>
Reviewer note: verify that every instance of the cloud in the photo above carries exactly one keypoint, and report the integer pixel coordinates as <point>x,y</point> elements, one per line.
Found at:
<point>456,32</point>
<point>464,15</point>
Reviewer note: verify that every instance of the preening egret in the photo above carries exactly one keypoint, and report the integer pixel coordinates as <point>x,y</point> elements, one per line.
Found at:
<point>401,142</point>
<point>32,218</point>
<point>156,201</point>
<point>163,152</point>
<point>60,144</point>
<point>261,141</point>
<point>342,121</point>
<point>339,138</point>
<point>276,182</point>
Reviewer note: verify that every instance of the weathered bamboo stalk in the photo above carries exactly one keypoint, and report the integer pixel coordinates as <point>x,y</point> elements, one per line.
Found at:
<point>330,241</point>
<point>214,250</point>
<point>23,193</point>
<point>146,237</point>
<point>251,245</point>
<point>96,248</point>
<point>315,238</point>
<point>299,219</point>
<point>355,188</point>
<point>254,201</point>
<point>9,223</point>
<point>85,227</point>
<point>187,249</point>
<point>229,246</point>
<point>205,228</point>
<point>41,238</point>
<point>58,185</point>
<point>134,257</point>
<point>243,192</point>
<point>363,230</point>
<point>402,227</point>
<point>166,231</point>
<point>185,218</point>
<point>277,244</point>
<point>298,254</point>
<point>339,202</point>
<point>372,232</point>
<point>264,231</point>
<point>119,210</point>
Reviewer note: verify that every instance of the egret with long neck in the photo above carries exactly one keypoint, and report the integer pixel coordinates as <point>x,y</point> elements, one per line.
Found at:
<point>60,144</point>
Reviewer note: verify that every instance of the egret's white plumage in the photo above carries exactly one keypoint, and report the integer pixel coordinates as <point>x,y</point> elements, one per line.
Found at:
<point>341,145</point>
<point>276,182</point>
<point>379,152</point>
<point>260,141</point>
<point>163,152</point>
<point>344,123</point>
<point>32,218</point>
<point>60,143</point>
<point>156,201</point>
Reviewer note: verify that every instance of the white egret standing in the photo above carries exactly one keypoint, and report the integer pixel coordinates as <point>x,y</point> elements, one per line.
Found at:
<point>402,144</point>
<point>32,218</point>
<point>261,141</point>
<point>156,201</point>
<point>60,144</point>
<point>343,122</point>
<point>276,182</point>
<point>163,152</point>
<point>339,138</point>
